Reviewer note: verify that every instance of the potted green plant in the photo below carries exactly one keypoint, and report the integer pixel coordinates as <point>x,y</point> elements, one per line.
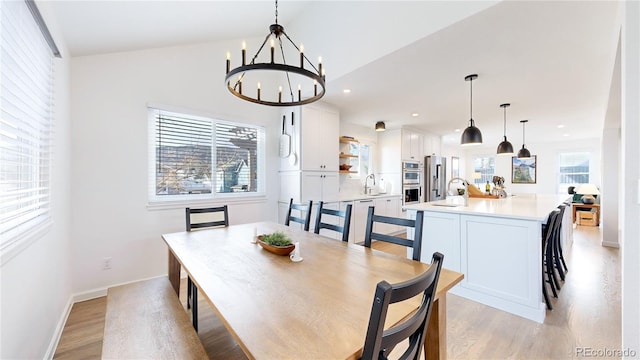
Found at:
<point>277,243</point>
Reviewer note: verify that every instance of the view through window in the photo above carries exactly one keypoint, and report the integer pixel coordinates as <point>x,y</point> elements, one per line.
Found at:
<point>573,170</point>
<point>201,157</point>
<point>484,167</point>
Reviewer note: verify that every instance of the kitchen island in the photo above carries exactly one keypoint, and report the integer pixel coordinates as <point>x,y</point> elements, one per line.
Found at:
<point>496,244</point>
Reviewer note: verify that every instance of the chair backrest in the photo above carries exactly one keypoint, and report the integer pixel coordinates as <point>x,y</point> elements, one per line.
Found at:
<point>379,342</point>
<point>346,215</point>
<point>416,224</point>
<point>550,228</point>
<point>303,208</point>
<point>206,218</point>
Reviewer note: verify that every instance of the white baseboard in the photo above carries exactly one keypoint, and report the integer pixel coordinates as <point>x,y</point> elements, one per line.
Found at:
<point>57,334</point>
<point>610,244</point>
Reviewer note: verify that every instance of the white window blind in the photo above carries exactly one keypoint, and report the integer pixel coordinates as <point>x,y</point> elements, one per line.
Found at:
<point>25,122</point>
<point>199,157</point>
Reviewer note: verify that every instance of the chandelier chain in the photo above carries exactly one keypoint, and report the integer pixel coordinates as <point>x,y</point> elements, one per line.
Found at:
<point>276,11</point>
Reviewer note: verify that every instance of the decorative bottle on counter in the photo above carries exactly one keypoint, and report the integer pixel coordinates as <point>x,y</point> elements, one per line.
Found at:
<point>488,188</point>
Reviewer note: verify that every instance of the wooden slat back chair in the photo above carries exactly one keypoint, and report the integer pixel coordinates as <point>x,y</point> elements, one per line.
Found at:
<point>346,215</point>
<point>201,219</point>
<point>303,208</point>
<point>379,342</point>
<point>548,275</point>
<point>415,224</point>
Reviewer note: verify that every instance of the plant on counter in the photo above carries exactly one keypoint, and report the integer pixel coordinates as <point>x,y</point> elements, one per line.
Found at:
<point>276,239</point>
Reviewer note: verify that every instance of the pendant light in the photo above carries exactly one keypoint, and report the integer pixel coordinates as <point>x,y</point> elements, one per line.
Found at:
<point>471,135</point>
<point>505,147</point>
<point>380,126</point>
<point>523,153</point>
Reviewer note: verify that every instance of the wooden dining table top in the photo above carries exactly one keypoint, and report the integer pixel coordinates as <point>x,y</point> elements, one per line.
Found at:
<point>275,308</point>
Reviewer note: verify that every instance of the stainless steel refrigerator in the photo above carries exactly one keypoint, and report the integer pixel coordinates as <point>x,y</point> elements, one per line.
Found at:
<point>435,178</point>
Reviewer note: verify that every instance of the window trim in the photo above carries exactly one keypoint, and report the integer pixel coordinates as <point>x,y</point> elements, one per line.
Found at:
<point>213,198</point>
<point>559,175</point>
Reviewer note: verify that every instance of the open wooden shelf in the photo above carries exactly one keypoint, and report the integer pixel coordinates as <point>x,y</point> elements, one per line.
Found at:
<point>348,172</point>
<point>345,156</point>
<point>347,139</point>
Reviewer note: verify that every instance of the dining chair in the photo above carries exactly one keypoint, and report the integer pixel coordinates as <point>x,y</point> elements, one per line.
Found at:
<point>415,224</point>
<point>558,256</point>
<point>303,208</point>
<point>380,342</point>
<point>548,275</point>
<point>345,215</point>
<point>201,219</point>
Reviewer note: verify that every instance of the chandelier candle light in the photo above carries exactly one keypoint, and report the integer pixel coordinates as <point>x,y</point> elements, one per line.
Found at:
<point>312,76</point>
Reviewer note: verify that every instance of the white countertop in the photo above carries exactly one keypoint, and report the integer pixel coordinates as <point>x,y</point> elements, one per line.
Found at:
<point>519,206</point>
<point>355,197</point>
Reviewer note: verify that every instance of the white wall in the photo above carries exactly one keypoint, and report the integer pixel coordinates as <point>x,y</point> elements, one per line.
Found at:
<point>36,282</point>
<point>547,164</point>
<point>110,94</point>
<point>630,173</point>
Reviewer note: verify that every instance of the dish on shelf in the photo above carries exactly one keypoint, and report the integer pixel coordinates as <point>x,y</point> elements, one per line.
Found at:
<point>345,166</point>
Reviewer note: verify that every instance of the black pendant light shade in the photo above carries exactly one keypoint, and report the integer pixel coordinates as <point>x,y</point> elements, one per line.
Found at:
<point>505,147</point>
<point>471,135</point>
<point>380,126</point>
<point>523,153</point>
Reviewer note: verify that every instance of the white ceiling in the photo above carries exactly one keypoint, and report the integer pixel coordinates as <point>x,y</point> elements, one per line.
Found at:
<point>553,61</point>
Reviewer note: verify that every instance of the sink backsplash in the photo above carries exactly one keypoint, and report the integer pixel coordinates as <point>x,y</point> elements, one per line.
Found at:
<point>349,186</point>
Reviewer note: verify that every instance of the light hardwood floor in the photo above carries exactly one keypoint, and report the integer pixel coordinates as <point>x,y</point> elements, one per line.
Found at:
<point>586,315</point>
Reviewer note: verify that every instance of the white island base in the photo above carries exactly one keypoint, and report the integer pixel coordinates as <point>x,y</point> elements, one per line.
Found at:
<point>497,245</point>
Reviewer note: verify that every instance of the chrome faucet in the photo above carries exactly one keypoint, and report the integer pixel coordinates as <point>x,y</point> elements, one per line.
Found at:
<point>466,189</point>
<point>366,180</point>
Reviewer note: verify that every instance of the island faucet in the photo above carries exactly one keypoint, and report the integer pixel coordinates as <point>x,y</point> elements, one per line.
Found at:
<point>466,189</point>
<point>366,180</point>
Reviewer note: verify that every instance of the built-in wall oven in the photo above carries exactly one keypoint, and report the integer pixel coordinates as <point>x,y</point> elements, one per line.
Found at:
<point>412,194</point>
<point>411,172</point>
<point>411,182</point>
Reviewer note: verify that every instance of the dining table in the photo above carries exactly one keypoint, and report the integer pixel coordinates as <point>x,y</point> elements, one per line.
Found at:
<point>316,308</point>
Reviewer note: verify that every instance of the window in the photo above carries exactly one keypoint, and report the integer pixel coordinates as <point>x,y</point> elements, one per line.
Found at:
<point>26,74</point>
<point>365,160</point>
<point>200,157</point>
<point>574,170</point>
<point>483,168</point>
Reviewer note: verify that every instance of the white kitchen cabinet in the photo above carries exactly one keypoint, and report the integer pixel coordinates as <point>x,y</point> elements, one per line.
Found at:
<point>432,145</point>
<point>320,129</point>
<point>385,206</point>
<point>319,185</point>
<point>412,145</point>
<point>359,220</point>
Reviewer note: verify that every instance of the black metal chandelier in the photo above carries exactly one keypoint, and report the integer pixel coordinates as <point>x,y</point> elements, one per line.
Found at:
<point>313,77</point>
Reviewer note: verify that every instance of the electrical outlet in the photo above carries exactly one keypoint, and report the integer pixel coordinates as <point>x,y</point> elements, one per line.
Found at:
<point>106,263</point>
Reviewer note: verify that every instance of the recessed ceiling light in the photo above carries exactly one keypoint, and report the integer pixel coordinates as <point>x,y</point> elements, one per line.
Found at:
<point>346,91</point>
<point>565,135</point>
<point>560,126</point>
<point>415,114</point>
<point>457,130</point>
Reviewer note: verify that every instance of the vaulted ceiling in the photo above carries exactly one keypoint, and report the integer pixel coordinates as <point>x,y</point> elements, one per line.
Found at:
<point>553,61</point>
